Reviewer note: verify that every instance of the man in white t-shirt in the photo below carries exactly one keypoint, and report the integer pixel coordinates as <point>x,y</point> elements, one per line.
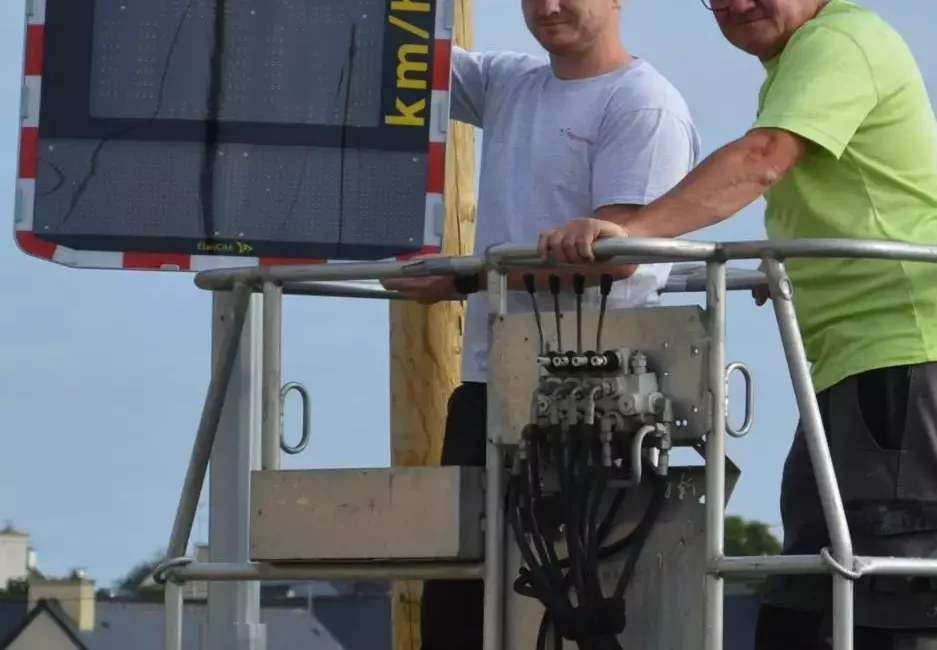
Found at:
<point>592,129</point>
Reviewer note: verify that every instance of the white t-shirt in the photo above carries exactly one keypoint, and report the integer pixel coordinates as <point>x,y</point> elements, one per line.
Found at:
<point>554,150</point>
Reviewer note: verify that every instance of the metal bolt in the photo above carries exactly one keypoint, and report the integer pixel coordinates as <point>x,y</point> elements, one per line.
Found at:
<point>695,409</point>
<point>694,351</point>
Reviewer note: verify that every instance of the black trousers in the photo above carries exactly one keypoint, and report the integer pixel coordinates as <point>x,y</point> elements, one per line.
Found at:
<point>881,427</point>
<point>781,628</point>
<point>453,610</point>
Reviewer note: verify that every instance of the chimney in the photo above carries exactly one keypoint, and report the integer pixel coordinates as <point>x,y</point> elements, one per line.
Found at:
<point>197,589</point>
<point>14,552</point>
<point>75,595</point>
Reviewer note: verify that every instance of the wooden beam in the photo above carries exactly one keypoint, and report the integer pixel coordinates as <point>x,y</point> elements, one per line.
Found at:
<point>426,343</point>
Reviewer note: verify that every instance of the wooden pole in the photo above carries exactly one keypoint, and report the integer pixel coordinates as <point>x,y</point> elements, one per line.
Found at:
<point>426,343</point>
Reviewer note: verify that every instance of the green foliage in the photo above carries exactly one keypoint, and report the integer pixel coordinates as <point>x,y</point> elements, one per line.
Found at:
<point>135,579</point>
<point>15,587</point>
<point>138,579</point>
<point>747,538</point>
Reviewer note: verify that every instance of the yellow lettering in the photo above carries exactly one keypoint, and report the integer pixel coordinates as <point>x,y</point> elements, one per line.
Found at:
<point>408,114</point>
<point>406,66</point>
<point>412,72</point>
<point>409,27</point>
<point>239,248</point>
<point>213,247</point>
<point>409,5</point>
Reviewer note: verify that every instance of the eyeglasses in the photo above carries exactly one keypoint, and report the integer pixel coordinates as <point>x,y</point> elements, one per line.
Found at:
<point>716,5</point>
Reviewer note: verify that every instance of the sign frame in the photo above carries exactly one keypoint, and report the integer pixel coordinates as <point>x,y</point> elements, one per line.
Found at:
<point>32,244</point>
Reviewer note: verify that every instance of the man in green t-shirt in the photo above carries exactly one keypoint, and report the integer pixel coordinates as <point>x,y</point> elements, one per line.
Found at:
<point>844,145</point>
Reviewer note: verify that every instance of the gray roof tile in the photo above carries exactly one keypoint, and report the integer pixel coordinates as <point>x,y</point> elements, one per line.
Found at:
<point>12,613</point>
<point>121,625</point>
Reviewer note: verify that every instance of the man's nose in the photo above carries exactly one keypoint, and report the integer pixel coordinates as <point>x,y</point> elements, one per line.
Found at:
<point>546,7</point>
<point>741,6</point>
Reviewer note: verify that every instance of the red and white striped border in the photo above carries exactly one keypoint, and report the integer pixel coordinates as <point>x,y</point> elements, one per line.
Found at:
<point>28,160</point>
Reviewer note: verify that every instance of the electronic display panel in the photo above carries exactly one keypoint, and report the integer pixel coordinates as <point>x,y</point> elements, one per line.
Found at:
<point>243,129</point>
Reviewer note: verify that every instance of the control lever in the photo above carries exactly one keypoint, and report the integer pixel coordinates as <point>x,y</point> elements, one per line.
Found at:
<point>531,288</point>
<point>579,287</point>
<point>605,288</point>
<point>555,290</point>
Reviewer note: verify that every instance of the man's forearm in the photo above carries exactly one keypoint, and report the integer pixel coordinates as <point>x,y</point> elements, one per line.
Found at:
<point>727,181</point>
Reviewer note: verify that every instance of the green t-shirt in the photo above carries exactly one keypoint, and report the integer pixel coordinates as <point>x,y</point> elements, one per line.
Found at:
<point>848,83</point>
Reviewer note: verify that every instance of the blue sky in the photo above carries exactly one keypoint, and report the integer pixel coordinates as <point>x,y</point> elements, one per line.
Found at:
<point>102,374</point>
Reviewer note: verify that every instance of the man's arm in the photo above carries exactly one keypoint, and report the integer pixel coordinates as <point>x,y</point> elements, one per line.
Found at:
<point>727,181</point>
<point>474,74</point>
<point>818,98</point>
<point>638,155</point>
<point>469,85</point>
<point>641,155</point>
<point>648,152</point>
<point>592,272</point>
<point>431,289</point>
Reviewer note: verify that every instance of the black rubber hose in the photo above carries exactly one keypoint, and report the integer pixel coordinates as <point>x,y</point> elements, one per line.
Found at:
<point>580,487</point>
<point>537,494</point>
<point>599,485</point>
<point>557,602</point>
<point>583,485</point>
<point>590,491</point>
<point>541,580</point>
<point>608,521</point>
<point>532,574</point>
<point>641,533</point>
<point>546,555</point>
<point>573,516</point>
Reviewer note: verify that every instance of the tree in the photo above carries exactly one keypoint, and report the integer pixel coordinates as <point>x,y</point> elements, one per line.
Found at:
<point>749,537</point>
<point>15,588</point>
<point>138,580</point>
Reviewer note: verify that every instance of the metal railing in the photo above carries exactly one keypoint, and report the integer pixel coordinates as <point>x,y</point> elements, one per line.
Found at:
<point>497,260</point>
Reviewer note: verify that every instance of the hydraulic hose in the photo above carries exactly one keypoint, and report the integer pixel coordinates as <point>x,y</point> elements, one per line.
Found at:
<point>578,456</point>
<point>573,515</point>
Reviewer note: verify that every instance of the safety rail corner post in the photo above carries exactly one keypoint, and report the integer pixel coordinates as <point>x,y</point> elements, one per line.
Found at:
<point>495,556</point>
<point>713,597</point>
<point>227,338</point>
<point>271,359</point>
<point>233,621</point>
<point>172,616</point>
<point>818,448</point>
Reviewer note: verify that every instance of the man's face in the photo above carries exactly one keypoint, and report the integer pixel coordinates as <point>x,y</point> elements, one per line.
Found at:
<point>761,27</point>
<point>569,26</point>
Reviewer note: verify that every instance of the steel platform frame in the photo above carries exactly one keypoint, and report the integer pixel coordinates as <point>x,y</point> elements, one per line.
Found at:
<point>251,440</point>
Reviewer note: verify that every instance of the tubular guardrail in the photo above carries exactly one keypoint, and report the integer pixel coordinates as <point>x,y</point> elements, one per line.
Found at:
<point>684,278</point>
<point>497,260</point>
<point>273,404</point>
